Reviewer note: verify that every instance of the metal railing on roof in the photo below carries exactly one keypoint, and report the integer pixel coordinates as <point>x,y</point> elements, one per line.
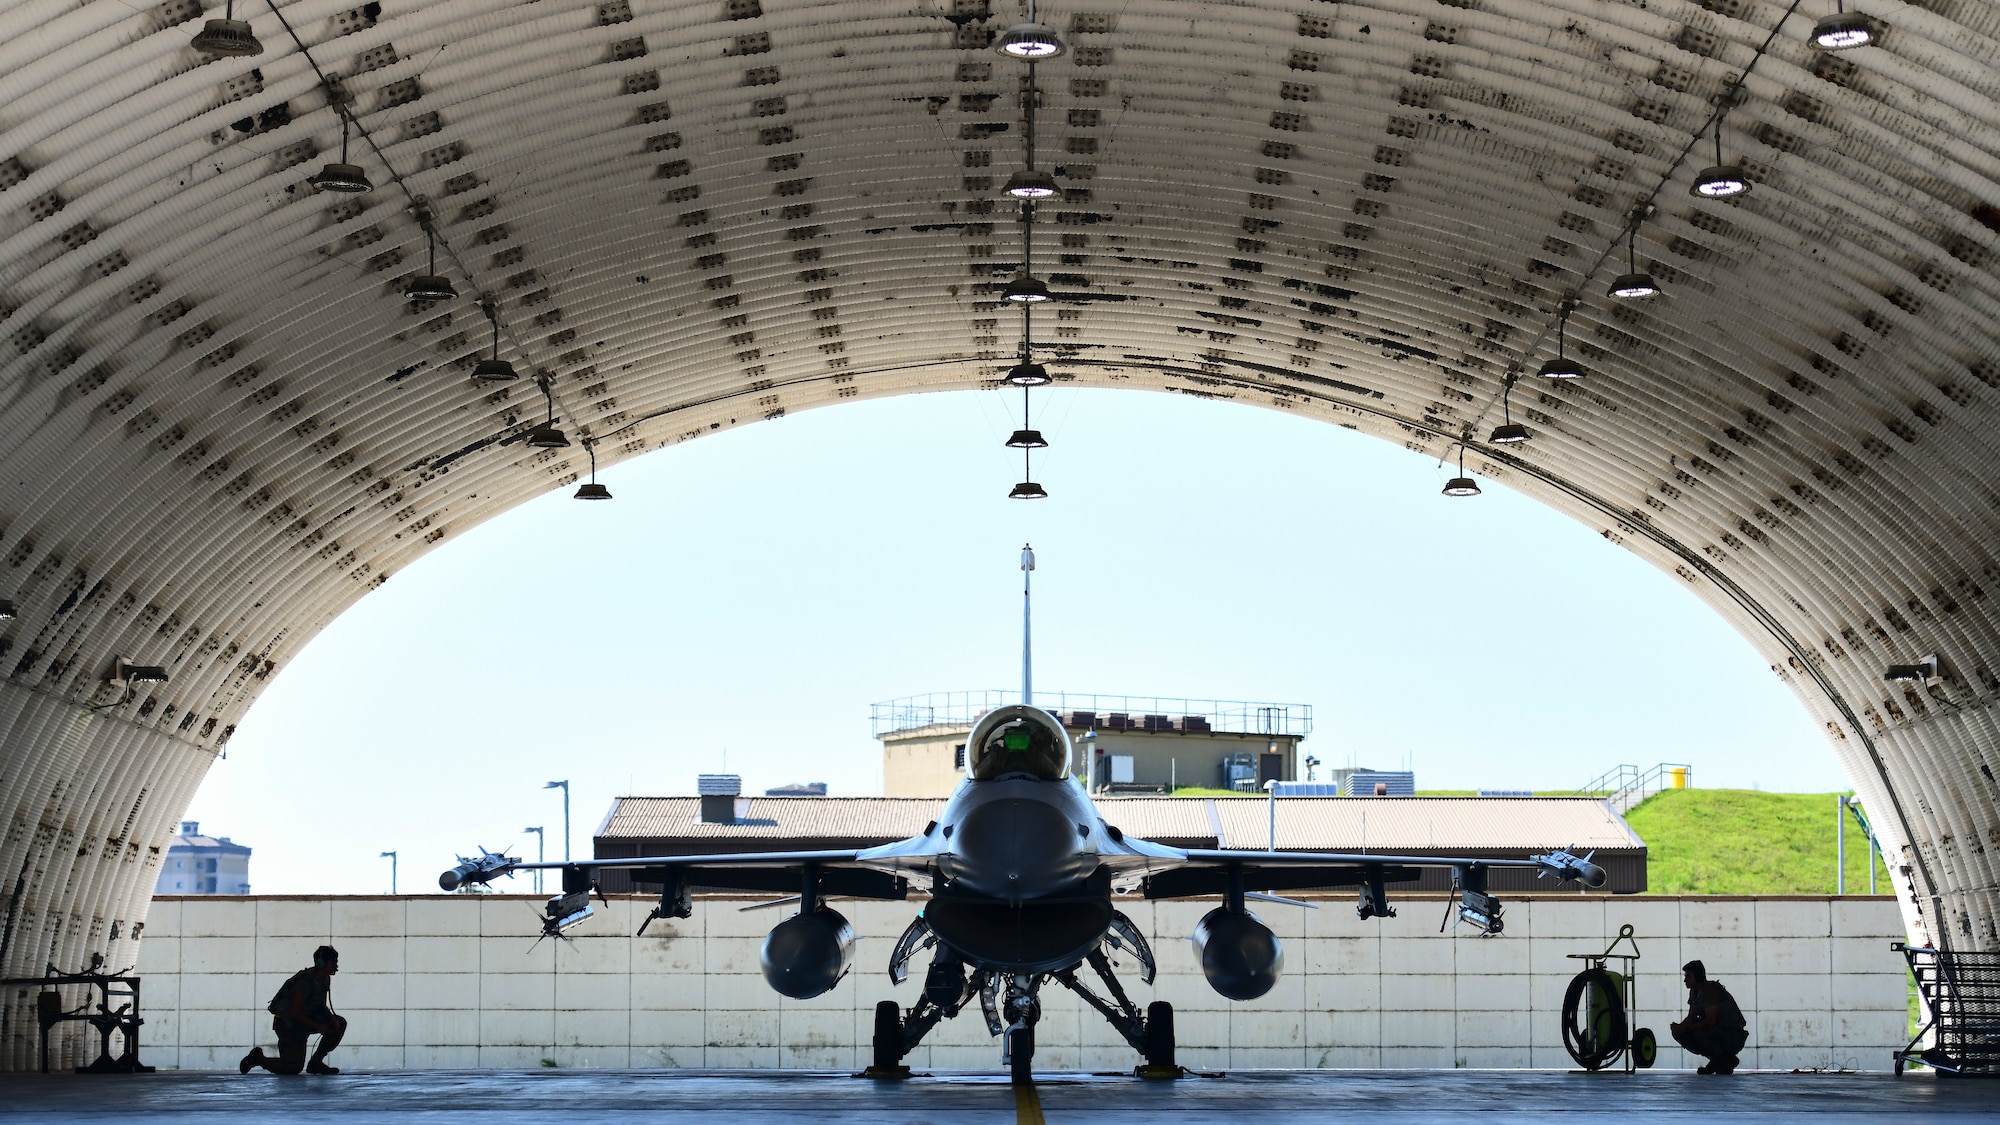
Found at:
<point>1097,712</point>
<point>1627,785</point>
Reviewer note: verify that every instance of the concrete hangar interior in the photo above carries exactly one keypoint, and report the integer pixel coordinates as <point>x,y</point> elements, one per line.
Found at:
<point>240,392</point>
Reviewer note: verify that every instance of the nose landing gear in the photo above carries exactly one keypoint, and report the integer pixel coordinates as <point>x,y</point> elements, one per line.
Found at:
<point>1024,1011</point>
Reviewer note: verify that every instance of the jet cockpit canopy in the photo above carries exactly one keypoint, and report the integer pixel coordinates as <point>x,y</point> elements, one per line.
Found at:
<point>1018,739</point>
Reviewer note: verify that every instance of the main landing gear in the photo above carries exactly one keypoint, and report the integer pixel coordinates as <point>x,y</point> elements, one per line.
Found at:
<point>1012,1005</point>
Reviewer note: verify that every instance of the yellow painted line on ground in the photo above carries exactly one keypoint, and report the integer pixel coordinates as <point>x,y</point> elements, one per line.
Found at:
<point>1028,1106</point>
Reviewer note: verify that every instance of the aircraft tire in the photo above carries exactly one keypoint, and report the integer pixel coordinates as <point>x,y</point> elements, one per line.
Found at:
<point>1023,1058</point>
<point>888,1035</point>
<point>1160,1034</point>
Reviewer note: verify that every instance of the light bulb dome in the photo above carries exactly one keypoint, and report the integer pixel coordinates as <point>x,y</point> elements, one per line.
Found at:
<point>227,38</point>
<point>592,491</point>
<point>1026,290</point>
<point>494,371</point>
<point>1026,374</point>
<point>1028,490</point>
<point>341,177</point>
<point>1027,439</point>
<point>1561,368</point>
<point>547,436</point>
<point>1843,31</point>
<point>1633,286</point>
<point>1029,41</point>
<point>1031,183</point>
<point>1509,434</point>
<point>1461,486</point>
<point>1719,182</point>
<point>430,287</point>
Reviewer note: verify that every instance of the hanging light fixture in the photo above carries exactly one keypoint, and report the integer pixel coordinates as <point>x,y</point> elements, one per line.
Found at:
<point>592,490</point>
<point>1719,180</point>
<point>1843,30</point>
<point>1031,183</point>
<point>1026,289</point>
<point>1025,438</point>
<point>1561,367</point>
<point>1509,432</point>
<point>493,369</point>
<point>342,177</point>
<point>431,286</point>
<point>1634,284</point>
<point>1028,374</point>
<point>1030,41</point>
<point>228,36</point>
<point>1461,485</point>
<point>546,435</point>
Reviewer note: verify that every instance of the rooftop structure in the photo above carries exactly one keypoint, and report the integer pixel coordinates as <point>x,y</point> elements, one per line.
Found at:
<point>1122,743</point>
<point>203,865</point>
<point>1097,712</point>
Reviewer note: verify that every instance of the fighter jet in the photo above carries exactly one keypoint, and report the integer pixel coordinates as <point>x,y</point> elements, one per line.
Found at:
<point>1023,871</point>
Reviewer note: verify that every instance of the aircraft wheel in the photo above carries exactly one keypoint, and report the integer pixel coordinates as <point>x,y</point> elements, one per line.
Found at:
<point>1160,1034</point>
<point>888,1035</point>
<point>1023,1056</point>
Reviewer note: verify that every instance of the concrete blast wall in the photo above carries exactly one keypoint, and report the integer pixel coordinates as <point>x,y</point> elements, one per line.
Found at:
<point>458,981</point>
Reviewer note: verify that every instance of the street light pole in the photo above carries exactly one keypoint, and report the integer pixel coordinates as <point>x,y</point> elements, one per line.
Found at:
<point>1840,844</point>
<point>391,857</point>
<point>564,786</point>
<point>539,857</point>
<point>1027,650</point>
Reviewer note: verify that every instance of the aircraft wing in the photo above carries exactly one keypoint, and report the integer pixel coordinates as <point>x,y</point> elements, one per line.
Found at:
<point>885,872</point>
<point>847,873</point>
<point>1208,871</point>
<point>490,866</point>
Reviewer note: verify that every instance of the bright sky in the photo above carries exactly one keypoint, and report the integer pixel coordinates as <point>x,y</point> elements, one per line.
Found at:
<point>748,595</point>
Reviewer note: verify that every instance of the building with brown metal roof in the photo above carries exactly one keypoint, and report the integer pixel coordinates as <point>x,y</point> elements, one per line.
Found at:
<point>1496,827</point>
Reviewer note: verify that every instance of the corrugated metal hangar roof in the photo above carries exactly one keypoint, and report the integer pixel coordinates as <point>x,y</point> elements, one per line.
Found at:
<point>226,420</point>
<point>1304,823</point>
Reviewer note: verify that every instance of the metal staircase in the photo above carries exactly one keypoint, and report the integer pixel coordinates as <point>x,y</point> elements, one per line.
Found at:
<point>1961,991</point>
<point>1626,785</point>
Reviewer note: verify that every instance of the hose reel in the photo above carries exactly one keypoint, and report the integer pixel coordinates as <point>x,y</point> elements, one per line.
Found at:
<point>1597,1009</point>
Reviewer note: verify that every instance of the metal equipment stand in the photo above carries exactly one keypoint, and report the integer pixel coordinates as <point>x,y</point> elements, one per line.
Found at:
<point>1606,1001</point>
<point>107,1019</point>
<point>1962,993</point>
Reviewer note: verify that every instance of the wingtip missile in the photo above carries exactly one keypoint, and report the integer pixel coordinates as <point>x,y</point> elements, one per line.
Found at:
<point>485,868</point>
<point>1563,864</point>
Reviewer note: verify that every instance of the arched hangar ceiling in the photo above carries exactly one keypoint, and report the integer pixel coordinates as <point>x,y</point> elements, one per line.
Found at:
<point>224,422</point>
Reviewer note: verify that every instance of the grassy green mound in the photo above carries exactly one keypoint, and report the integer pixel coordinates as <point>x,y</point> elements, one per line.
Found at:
<point>1204,791</point>
<point>1739,842</point>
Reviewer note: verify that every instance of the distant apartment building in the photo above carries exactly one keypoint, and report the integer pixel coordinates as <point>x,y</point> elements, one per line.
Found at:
<point>1123,744</point>
<point>204,865</point>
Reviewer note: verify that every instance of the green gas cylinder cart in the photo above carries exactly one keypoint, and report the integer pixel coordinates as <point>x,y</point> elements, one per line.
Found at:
<point>1598,1006</point>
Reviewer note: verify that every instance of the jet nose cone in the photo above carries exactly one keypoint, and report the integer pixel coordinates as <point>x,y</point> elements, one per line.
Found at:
<point>1016,848</point>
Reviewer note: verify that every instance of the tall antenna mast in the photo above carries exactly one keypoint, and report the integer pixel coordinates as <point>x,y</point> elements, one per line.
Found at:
<point>1027,648</point>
